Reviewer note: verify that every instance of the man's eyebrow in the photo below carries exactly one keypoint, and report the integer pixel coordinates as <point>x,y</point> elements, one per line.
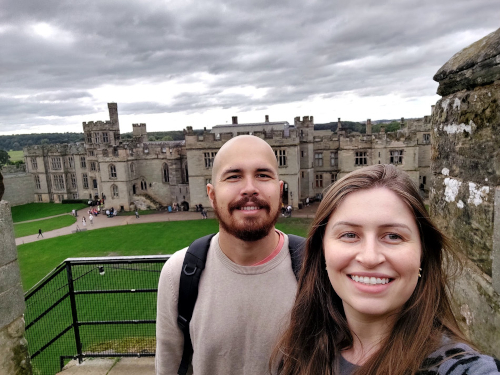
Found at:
<point>239,170</point>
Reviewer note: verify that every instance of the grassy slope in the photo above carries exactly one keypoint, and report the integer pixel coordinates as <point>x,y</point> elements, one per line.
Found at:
<point>27,229</point>
<point>38,258</point>
<point>16,155</point>
<point>33,211</point>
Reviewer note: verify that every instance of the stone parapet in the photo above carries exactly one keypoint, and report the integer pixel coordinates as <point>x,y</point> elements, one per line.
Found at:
<point>14,358</point>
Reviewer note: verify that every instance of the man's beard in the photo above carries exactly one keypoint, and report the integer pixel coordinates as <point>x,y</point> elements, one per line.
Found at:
<point>251,229</point>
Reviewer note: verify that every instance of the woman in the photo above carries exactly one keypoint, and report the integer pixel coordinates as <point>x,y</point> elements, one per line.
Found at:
<point>372,295</point>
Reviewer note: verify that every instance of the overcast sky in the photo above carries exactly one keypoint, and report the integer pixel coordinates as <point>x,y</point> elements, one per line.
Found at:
<point>176,63</point>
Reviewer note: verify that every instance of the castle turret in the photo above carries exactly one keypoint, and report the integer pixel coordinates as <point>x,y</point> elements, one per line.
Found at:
<point>140,133</point>
<point>368,127</point>
<point>113,115</point>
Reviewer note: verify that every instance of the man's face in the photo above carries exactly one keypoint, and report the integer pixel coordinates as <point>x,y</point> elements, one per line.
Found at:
<point>246,192</point>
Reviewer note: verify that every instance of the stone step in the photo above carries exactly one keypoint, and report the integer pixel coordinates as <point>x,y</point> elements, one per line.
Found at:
<point>111,366</point>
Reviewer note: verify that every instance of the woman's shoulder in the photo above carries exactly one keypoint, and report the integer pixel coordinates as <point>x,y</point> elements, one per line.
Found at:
<point>457,358</point>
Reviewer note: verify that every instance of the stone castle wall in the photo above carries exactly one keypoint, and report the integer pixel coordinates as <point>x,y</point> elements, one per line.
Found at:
<point>465,199</point>
<point>19,186</point>
<point>14,357</point>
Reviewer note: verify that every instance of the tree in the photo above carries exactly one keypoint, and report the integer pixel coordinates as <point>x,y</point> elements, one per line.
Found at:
<point>4,158</point>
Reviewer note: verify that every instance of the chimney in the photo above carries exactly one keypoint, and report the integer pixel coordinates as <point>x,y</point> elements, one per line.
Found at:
<point>368,127</point>
<point>235,120</point>
<point>339,125</point>
<point>267,118</point>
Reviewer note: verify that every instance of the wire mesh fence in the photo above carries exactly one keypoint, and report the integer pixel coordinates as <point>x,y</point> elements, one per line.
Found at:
<point>93,307</point>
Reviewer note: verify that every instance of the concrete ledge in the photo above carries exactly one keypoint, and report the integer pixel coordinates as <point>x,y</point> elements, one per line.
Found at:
<point>8,251</point>
<point>11,305</point>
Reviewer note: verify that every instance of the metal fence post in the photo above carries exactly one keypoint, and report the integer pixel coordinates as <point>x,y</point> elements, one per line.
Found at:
<point>76,328</point>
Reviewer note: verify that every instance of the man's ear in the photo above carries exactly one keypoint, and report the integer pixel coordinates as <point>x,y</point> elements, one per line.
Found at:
<point>211,194</point>
<point>281,188</point>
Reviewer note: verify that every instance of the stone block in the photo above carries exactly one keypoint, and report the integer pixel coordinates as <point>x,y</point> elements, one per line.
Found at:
<point>14,357</point>
<point>475,65</point>
<point>8,251</point>
<point>9,276</point>
<point>12,305</point>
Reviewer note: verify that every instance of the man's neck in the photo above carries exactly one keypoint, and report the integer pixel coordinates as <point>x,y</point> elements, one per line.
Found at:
<point>247,253</point>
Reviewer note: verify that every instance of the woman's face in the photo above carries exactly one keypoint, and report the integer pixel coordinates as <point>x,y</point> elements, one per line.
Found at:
<point>372,251</point>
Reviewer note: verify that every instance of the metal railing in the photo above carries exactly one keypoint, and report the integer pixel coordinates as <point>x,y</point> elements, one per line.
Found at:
<point>93,307</point>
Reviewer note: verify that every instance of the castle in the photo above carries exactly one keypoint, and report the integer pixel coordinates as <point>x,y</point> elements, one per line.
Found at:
<point>139,173</point>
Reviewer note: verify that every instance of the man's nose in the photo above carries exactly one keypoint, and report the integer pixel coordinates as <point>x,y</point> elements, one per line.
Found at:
<point>250,187</point>
<point>370,253</point>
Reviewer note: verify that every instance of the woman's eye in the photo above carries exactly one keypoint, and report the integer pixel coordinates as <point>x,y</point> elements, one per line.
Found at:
<point>349,236</point>
<point>394,237</point>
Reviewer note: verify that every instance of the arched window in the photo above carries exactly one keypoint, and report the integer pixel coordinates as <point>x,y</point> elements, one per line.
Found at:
<point>144,185</point>
<point>185,175</point>
<point>114,191</point>
<point>112,171</point>
<point>132,168</point>
<point>165,174</point>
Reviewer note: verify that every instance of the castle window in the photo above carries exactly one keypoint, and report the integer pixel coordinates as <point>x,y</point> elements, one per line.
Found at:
<point>58,182</point>
<point>185,175</point>
<point>209,158</point>
<point>334,157</point>
<point>115,151</point>
<point>112,171</point>
<point>301,154</point>
<point>73,180</point>
<point>40,199</point>
<point>280,157</point>
<point>96,137</point>
<point>361,158</point>
<point>89,137</point>
<point>114,191</point>
<point>94,182</point>
<point>105,153</point>
<point>83,162</point>
<point>318,159</point>
<point>319,180</point>
<point>37,182</point>
<point>333,177</point>
<point>71,162</point>
<point>91,153</point>
<point>144,185</point>
<point>105,138</point>
<point>163,150</point>
<point>85,180</point>
<point>56,163</point>
<point>166,177</point>
<point>132,168</point>
<point>426,138</point>
<point>34,164</point>
<point>396,157</point>
<point>93,166</point>
<point>302,174</point>
<point>75,195</point>
<point>146,150</point>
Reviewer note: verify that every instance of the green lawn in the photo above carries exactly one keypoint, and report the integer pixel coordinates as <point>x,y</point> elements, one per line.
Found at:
<point>37,259</point>
<point>16,155</point>
<point>33,211</point>
<point>27,229</point>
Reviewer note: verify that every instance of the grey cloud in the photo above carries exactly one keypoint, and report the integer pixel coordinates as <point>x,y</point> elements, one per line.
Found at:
<point>294,49</point>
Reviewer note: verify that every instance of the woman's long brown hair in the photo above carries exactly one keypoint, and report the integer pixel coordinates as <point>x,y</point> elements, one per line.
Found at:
<point>318,329</point>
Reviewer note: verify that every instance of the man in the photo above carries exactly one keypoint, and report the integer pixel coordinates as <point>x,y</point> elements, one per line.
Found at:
<point>247,288</point>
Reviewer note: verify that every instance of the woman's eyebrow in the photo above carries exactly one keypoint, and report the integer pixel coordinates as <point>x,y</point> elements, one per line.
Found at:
<point>388,225</point>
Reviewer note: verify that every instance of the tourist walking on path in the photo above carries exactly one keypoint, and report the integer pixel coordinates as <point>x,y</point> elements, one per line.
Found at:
<point>136,214</point>
<point>40,233</point>
<point>91,219</point>
<point>84,222</point>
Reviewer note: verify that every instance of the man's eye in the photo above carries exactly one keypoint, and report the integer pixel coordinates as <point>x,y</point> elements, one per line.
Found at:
<point>262,175</point>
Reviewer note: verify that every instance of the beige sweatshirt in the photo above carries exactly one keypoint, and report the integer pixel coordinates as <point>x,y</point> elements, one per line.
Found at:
<point>238,316</point>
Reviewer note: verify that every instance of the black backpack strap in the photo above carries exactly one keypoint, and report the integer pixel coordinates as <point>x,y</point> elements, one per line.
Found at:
<point>192,267</point>
<point>296,245</point>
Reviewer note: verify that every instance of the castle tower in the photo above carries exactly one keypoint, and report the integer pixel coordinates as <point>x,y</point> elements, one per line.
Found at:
<point>113,115</point>
<point>368,127</point>
<point>140,133</point>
